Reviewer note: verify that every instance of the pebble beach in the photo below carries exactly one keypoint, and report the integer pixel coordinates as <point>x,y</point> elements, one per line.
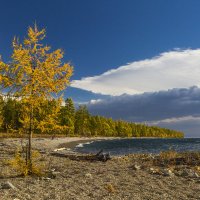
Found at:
<point>135,176</point>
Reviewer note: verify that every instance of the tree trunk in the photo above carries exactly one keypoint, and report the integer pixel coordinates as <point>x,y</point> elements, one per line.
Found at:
<point>29,149</point>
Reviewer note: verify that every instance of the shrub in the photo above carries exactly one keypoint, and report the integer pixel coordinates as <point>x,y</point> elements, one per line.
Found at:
<point>20,165</point>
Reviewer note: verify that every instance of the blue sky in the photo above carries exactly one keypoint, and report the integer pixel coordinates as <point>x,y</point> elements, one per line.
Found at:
<point>121,50</point>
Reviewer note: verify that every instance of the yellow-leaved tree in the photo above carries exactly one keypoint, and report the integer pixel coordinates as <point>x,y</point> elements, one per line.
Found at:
<point>34,74</point>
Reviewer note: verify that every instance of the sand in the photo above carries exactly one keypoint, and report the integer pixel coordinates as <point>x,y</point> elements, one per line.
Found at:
<point>83,180</point>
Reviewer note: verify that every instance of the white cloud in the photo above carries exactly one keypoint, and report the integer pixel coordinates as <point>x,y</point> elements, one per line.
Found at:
<point>174,69</point>
<point>95,101</point>
<point>190,125</point>
<point>174,120</point>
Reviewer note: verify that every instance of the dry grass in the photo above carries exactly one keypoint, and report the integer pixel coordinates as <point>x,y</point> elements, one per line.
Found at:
<point>110,188</point>
<point>173,158</point>
<point>9,135</point>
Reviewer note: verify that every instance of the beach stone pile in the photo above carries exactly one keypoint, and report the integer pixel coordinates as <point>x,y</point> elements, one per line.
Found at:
<point>181,172</point>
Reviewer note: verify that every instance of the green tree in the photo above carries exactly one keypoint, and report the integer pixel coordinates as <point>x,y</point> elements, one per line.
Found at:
<point>123,129</point>
<point>11,115</point>
<point>67,116</point>
<point>82,118</point>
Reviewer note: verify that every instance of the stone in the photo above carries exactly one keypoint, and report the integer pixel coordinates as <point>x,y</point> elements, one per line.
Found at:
<point>198,168</point>
<point>196,175</point>
<point>152,170</point>
<point>7,185</point>
<point>178,173</point>
<point>55,173</point>
<point>155,171</point>
<point>42,151</point>
<point>184,173</point>
<point>59,149</point>
<point>167,172</point>
<point>136,167</point>
<point>88,175</point>
<point>151,156</point>
<point>46,178</point>
<point>51,175</point>
<point>190,173</point>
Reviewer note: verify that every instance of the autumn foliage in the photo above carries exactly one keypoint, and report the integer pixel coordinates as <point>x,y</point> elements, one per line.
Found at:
<point>33,75</point>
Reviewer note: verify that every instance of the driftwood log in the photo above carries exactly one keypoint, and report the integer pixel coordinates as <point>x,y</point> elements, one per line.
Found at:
<point>100,156</point>
<point>103,156</point>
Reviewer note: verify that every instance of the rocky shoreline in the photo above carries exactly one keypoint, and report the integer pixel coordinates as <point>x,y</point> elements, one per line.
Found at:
<point>138,176</point>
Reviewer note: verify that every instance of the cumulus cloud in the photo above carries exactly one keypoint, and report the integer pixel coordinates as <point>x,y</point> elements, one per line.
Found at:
<point>175,108</point>
<point>174,69</point>
<point>150,106</point>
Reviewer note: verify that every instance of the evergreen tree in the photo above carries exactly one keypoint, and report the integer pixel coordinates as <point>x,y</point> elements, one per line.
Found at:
<point>67,116</point>
<point>11,115</point>
<point>82,118</point>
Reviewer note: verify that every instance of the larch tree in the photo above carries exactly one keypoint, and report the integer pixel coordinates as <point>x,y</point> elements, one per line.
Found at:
<point>34,74</point>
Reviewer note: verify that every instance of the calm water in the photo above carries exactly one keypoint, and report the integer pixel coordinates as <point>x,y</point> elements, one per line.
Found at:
<point>127,146</point>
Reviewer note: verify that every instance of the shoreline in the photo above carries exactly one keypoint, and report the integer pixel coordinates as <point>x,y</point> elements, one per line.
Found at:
<point>49,144</point>
<point>71,145</point>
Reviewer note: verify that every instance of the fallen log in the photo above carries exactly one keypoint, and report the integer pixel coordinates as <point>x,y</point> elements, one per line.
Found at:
<point>100,156</point>
<point>103,156</point>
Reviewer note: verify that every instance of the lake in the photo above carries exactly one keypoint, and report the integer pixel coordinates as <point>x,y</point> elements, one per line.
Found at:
<point>136,145</point>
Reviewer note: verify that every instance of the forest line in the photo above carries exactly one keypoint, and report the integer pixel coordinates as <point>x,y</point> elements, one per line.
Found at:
<point>50,117</point>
